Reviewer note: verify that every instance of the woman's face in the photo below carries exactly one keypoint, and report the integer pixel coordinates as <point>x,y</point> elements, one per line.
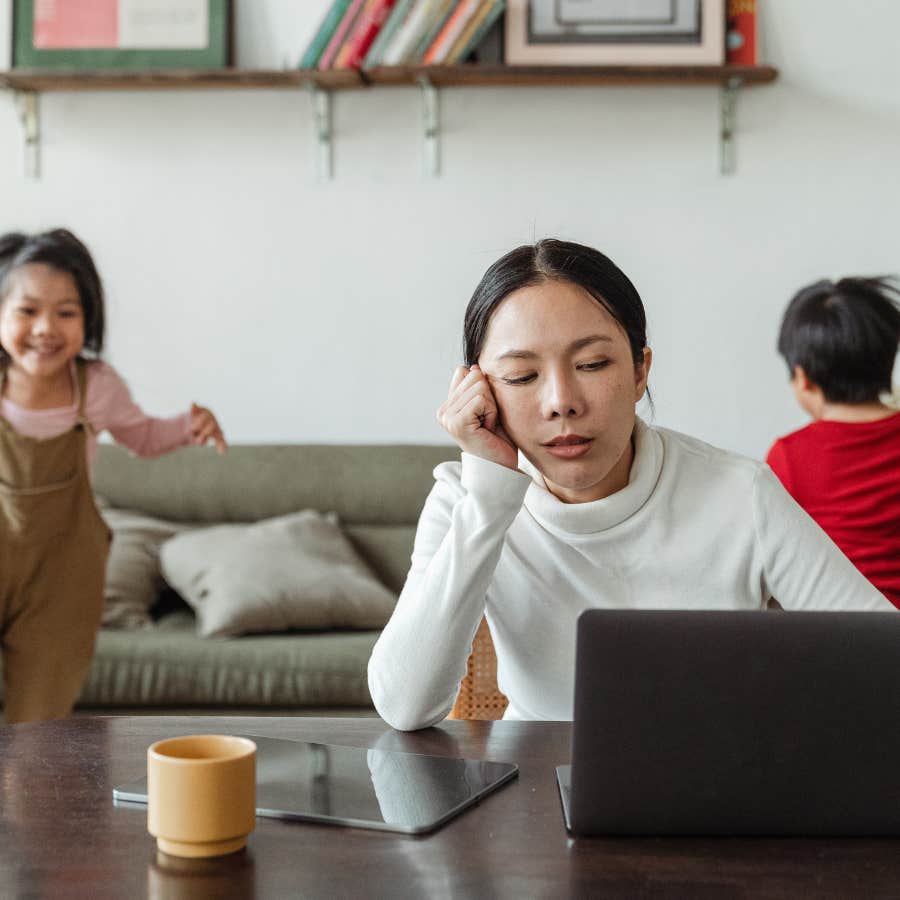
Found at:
<point>566,385</point>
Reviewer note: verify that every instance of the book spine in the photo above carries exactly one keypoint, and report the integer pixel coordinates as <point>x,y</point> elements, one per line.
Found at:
<point>340,33</point>
<point>453,28</point>
<point>740,37</point>
<point>433,28</point>
<point>412,30</point>
<point>322,36</point>
<point>365,32</point>
<point>399,14</point>
<point>488,11</point>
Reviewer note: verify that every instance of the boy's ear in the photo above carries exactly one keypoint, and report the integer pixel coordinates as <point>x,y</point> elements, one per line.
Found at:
<point>801,380</point>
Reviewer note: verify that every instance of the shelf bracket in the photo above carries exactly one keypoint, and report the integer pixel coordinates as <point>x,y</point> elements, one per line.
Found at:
<point>727,104</point>
<point>432,127</point>
<point>29,113</point>
<point>323,131</point>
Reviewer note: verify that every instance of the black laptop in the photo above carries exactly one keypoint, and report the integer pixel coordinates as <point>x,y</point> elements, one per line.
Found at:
<point>735,723</point>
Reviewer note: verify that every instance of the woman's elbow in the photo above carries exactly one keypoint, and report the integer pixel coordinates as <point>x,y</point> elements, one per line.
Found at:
<point>400,709</point>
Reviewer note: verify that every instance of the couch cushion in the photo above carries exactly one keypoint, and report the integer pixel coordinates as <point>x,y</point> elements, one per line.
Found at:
<point>296,571</point>
<point>133,578</point>
<point>363,484</point>
<point>168,665</point>
<point>386,548</point>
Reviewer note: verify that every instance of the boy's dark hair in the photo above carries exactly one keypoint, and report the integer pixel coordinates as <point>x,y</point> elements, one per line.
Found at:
<point>845,336</point>
<point>60,249</point>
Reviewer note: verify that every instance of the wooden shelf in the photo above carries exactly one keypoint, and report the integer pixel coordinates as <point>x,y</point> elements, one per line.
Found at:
<point>29,84</point>
<point>472,75</point>
<point>52,80</point>
<point>567,76</point>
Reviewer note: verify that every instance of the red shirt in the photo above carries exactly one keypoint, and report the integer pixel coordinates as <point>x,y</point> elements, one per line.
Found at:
<point>846,475</point>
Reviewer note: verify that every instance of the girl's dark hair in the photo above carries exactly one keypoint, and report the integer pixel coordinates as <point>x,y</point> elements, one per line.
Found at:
<point>550,260</point>
<point>845,336</point>
<point>60,249</point>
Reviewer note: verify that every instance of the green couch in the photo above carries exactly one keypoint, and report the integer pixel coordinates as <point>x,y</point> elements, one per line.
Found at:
<point>377,492</point>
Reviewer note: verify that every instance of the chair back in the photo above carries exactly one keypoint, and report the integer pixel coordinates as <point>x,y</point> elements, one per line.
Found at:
<point>479,697</point>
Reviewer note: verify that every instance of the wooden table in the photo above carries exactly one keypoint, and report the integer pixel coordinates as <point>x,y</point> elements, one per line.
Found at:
<point>61,836</point>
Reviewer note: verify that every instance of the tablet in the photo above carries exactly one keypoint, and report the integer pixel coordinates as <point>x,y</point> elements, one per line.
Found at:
<point>367,788</point>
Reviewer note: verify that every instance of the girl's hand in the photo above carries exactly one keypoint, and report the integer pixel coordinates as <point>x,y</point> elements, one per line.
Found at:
<point>204,427</point>
<point>471,415</point>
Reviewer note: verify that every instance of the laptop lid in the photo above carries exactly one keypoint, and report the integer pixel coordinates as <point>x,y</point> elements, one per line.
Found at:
<point>775,723</point>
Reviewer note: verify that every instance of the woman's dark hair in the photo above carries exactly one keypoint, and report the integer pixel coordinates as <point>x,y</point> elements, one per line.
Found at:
<point>554,260</point>
<point>845,336</point>
<point>60,249</point>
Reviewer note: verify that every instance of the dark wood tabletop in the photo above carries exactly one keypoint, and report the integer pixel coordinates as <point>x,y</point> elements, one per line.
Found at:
<point>61,836</point>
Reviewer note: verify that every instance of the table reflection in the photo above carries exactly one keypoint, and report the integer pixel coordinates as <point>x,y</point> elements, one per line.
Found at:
<point>218,878</point>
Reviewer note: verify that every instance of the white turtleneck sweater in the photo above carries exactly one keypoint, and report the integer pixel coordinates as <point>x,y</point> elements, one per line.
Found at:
<point>694,528</point>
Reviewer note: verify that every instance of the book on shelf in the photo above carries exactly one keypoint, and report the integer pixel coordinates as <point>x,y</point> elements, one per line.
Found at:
<point>323,34</point>
<point>488,48</point>
<point>478,27</point>
<point>363,33</point>
<point>463,13</point>
<point>740,37</point>
<point>408,37</point>
<point>427,39</point>
<point>340,35</point>
<point>399,14</point>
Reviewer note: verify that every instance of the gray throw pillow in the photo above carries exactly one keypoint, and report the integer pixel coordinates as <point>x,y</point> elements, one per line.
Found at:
<point>292,572</point>
<point>133,578</point>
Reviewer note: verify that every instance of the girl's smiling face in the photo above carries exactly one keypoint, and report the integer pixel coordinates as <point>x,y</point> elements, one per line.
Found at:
<point>566,385</point>
<point>41,320</point>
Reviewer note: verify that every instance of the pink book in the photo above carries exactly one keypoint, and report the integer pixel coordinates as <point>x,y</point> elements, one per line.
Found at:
<point>341,32</point>
<point>351,55</point>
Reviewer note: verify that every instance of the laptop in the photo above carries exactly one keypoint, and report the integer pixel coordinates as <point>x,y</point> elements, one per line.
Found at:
<point>387,790</point>
<point>735,723</point>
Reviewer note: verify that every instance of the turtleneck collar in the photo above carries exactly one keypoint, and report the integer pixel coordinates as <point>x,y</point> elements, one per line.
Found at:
<point>599,515</point>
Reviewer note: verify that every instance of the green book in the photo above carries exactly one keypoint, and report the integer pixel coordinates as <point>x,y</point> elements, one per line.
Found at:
<point>388,30</point>
<point>323,35</point>
<point>481,31</point>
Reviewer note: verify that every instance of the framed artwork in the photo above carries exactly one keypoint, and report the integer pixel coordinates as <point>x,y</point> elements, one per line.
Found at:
<point>615,32</point>
<point>5,34</point>
<point>122,34</point>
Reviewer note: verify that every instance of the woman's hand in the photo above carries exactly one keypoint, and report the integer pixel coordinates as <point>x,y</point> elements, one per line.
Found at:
<point>471,416</point>
<point>204,427</point>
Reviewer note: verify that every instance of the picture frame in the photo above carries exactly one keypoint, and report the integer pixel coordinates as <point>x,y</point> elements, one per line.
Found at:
<point>659,21</point>
<point>5,35</point>
<point>708,49</point>
<point>122,34</point>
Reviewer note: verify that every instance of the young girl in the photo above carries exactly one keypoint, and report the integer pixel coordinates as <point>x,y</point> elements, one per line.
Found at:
<point>565,500</point>
<point>55,398</point>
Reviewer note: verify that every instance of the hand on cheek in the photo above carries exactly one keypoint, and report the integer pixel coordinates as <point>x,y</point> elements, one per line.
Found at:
<point>471,416</point>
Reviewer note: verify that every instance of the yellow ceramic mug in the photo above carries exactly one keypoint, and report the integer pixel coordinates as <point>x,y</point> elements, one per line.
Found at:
<point>201,794</point>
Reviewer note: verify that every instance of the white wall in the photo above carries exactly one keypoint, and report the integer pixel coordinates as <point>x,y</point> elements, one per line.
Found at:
<point>332,312</point>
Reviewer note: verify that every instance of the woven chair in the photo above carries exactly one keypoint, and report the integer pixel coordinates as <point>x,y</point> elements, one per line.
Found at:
<point>479,696</point>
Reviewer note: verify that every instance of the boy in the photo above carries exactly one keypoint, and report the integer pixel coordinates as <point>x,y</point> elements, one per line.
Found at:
<point>840,342</point>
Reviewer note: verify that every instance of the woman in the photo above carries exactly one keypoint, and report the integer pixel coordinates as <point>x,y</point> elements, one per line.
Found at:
<point>565,500</point>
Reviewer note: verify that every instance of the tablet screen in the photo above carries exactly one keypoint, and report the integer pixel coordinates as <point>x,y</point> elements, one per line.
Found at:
<point>366,788</point>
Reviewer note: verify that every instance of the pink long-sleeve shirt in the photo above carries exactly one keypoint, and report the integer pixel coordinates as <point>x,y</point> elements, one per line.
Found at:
<point>109,407</point>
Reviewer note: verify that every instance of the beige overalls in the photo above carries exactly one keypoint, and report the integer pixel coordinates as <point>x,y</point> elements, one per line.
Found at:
<point>53,549</point>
